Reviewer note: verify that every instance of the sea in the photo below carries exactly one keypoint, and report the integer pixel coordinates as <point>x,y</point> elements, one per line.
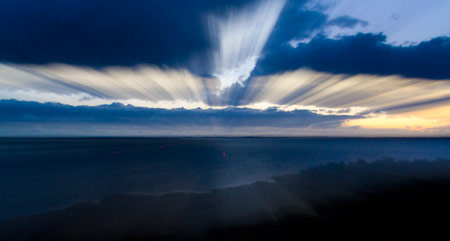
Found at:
<point>43,174</point>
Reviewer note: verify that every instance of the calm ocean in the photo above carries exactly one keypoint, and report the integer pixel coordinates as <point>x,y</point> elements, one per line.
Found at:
<point>39,174</point>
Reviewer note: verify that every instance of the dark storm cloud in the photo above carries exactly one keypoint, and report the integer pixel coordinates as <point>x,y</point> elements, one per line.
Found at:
<point>300,22</point>
<point>295,22</point>
<point>347,22</point>
<point>34,112</point>
<point>102,33</point>
<point>362,53</point>
<point>99,33</point>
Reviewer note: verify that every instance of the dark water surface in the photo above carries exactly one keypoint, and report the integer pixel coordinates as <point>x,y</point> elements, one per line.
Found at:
<point>39,174</point>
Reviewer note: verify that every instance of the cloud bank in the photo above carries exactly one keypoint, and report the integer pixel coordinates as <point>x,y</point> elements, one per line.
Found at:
<point>118,119</point>
<point>363,53</point>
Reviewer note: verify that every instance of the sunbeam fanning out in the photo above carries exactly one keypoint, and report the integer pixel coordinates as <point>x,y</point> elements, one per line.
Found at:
<point>386,102</point>
<point>147,86</point>
<point>377,93</point>
<point>240,37</point>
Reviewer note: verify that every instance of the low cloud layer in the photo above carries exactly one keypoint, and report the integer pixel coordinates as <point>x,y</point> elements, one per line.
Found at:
<point>118,119</point>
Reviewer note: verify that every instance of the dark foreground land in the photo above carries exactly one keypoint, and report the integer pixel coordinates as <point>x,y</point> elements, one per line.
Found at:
<point>384,200</point>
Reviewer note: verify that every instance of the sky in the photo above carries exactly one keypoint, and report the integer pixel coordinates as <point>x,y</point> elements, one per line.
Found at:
<point>224,68</point>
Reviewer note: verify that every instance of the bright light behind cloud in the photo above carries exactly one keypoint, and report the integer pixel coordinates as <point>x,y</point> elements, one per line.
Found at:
<point>319,110</point>
<point>240,37</point>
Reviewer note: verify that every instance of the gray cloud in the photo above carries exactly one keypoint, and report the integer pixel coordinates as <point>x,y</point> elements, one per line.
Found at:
<point>347,22</point>
<point>118,119</point>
